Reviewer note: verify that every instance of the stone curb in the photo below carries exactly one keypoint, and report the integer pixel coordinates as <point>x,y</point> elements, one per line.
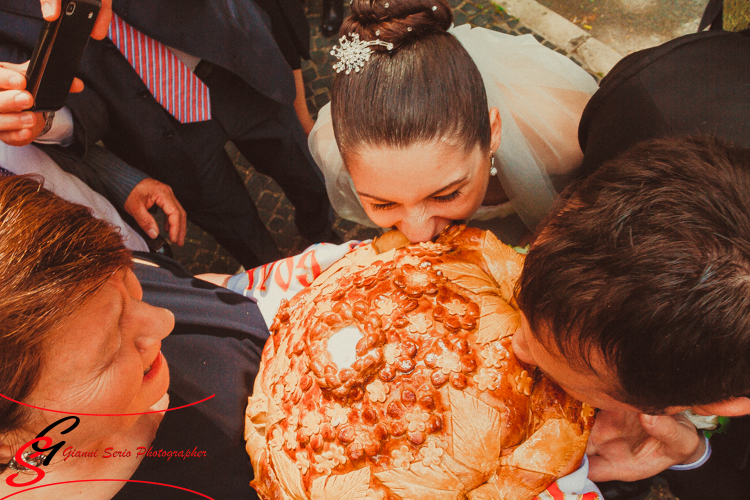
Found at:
<point>596,57</point>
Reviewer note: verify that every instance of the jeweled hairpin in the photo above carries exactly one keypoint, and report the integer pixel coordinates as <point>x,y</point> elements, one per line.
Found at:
<point>353,55</point>
<point>36,462</point>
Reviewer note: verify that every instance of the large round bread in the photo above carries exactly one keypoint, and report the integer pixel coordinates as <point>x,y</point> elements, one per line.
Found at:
<point>393,377</point>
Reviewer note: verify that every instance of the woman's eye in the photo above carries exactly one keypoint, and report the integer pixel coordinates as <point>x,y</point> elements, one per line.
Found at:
<point>447,197</point>
<point>382,206</point>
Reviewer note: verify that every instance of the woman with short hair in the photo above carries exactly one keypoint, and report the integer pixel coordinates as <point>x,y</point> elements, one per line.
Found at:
<point>81,364</point>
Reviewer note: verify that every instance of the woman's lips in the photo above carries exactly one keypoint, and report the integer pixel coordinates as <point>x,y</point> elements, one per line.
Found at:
<point>155,367</point>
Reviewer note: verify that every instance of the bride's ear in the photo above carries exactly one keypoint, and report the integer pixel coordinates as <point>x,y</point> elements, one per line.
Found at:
<point>496,127</point>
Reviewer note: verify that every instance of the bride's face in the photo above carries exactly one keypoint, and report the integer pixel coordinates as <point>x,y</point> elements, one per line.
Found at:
<point>422,188</point>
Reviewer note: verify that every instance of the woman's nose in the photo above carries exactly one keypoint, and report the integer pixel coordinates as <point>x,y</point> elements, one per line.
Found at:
<point>418,227</point>
<point>155,324</point>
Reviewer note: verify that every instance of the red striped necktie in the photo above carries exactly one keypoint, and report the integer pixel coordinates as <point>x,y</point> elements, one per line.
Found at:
<point>172,83</point>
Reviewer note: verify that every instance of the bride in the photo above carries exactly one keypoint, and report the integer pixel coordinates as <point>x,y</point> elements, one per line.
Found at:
<point>408,141</point>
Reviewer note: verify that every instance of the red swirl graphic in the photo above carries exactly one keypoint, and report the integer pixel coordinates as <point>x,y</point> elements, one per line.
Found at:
<point>120,480</point>
<point>106,414</point>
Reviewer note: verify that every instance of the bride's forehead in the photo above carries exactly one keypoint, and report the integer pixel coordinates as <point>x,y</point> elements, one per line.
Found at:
<point>435,154</point>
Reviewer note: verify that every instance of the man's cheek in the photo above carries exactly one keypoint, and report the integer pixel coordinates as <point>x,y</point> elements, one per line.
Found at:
<point>521,348</point>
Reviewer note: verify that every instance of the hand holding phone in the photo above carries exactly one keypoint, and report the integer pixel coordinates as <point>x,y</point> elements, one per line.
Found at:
<point>18,125</point>
<point>51,9</point>
<point>58,52</point>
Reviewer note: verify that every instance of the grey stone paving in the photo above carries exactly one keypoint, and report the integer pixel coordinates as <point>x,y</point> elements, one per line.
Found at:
<point>201,253</point>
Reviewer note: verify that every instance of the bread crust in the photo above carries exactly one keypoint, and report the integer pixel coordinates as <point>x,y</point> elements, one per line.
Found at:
<point>393,377</point>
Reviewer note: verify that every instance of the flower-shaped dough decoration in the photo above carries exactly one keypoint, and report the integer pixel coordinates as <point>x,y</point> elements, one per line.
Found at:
<point>419,323</point>
<point>388,372</point>
<point>378,391</point>
<point>391,353</point>
<point>385,306</point>
<point>337,414</point>
<point>449,362</point>
<point>487,379</point>
<point>311,423</point>
<point>431,454</point>
<point>402,457</point>
<point>417,419</point>
<point>456,307</point>
<point>494,354</point>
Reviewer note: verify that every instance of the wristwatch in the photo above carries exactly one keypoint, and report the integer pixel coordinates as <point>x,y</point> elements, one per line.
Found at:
<point>49,117</point>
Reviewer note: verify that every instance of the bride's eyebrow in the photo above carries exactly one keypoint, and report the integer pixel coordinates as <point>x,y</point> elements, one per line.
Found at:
<point>444,188</point>
<point>448,186</point>
<point>373,197</point>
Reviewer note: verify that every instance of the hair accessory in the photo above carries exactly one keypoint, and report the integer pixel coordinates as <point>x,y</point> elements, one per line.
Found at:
<point>353,55</point>
<point>386,5</point>
<point>36,461</point>
<point>493,170</point>
<point>408,29</point>
<point>434,8</point>
<point>377,33</point>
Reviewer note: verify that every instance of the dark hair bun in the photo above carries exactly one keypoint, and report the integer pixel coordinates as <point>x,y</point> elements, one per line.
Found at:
<point>397,21</point>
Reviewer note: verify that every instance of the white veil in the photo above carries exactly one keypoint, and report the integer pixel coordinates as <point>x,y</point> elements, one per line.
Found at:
<point>540,95</point>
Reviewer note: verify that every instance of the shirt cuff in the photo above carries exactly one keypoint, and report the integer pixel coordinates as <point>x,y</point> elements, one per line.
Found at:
<point>702,460</point>
<point>61,133</point>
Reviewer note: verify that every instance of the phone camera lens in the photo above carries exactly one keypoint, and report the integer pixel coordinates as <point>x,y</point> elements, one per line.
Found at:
<point>70,9</point>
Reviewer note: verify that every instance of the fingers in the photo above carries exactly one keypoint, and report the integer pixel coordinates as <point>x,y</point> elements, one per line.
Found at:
<point>627,446</point>
<point>102,21</point>
<point>145,220</point>
<point>177,220</point>
<point>51,11</point>
<point>12,76</point>
<point>678,436</point>
<point>150,192</point>
<point>601,469</point>
<point>76,86</point>
<point>18,127</point>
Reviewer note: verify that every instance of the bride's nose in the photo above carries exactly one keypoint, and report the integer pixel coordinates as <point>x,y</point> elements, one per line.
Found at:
<point>418,226</point>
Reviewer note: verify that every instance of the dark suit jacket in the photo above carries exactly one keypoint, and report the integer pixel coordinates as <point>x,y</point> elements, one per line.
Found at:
<point>215,349</point>
<point>695,84</point>
<point>117,107</point>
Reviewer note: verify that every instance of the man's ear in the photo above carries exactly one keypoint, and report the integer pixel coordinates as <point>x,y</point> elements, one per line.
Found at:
<point>734,407</point>
<point>496,127</point>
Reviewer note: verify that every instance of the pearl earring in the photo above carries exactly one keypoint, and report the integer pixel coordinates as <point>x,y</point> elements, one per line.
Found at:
<point>493,170</point>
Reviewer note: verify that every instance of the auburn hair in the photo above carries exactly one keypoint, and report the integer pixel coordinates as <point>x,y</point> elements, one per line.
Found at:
<point>53,255</point>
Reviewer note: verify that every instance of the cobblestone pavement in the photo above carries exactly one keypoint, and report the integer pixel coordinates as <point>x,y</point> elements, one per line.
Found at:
<point>201,253</point>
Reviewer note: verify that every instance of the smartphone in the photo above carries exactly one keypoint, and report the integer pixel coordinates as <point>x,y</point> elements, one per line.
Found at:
<point>58,52</point>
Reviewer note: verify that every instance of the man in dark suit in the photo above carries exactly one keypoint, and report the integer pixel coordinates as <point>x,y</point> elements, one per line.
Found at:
<point>252,94</point>
<point>695,85</point>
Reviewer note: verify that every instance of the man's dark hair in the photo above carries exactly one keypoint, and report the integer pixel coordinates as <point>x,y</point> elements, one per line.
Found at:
<point>647,262</point>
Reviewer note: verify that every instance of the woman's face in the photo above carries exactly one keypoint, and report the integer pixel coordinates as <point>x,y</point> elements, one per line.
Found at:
<point>422,188</point>
<point>106,359</point>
